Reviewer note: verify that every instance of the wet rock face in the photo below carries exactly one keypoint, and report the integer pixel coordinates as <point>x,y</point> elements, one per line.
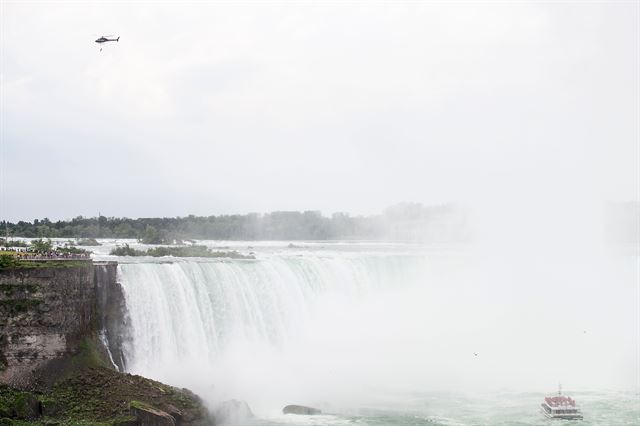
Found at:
<point>45,313</point>
<point>149,416</point>
<point>48,312</point>
<point>113,318</point>
<point>300,409</point>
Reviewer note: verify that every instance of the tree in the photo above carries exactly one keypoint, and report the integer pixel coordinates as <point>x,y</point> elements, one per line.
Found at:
<point>8,261</point>
<point>41,246</point>
<point>124,230</point>
<point>151,235</point>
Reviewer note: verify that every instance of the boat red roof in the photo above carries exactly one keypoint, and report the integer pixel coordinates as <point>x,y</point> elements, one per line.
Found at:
<point>560,401</point>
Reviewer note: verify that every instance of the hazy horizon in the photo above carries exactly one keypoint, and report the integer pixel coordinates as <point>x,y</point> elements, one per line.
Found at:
<point>244,213</point>
<point>217,108</point>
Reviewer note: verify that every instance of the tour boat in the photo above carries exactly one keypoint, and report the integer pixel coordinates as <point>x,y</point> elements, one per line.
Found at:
<point>561,407</point>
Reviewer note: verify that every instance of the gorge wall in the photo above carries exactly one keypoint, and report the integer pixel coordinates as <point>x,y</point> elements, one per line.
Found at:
<point>113,324</point>
<point>53,312</point>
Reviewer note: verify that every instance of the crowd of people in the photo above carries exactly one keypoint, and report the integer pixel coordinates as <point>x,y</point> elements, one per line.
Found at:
<point>54,255</point>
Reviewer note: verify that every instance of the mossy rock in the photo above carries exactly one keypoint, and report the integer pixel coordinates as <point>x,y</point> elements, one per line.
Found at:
<point>101,396</point>
<point>89,355</point>
<point>10,289</point>
<point>104,395</point>
<point>27,406</point>
<point>125,421</point>
<point>18,405</point>
<point>51,407</point>
<point>18,306</point>
<point>148,415</point>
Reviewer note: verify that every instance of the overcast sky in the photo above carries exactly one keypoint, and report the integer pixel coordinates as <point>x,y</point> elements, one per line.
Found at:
<point>209,108</point>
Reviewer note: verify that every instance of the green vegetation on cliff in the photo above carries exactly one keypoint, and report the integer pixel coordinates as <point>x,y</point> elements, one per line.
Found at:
<point>18,288</point>
<point>8,261</point>
<point>16,306</point>
<point>99,396</point>
<point>88,392</point>
<point>183,251</point>
<point>17,405</point>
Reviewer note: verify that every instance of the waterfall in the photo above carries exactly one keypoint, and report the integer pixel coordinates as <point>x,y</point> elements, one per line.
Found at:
<point>199,314</point>
<point>343,326</point>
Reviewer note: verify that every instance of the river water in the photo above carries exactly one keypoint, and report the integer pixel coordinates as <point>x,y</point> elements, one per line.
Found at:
<point>382,333</point>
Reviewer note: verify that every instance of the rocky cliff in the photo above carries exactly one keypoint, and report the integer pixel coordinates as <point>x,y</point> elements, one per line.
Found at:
<point>113,319</point>
<point>47,314</point>
<point>62,327</point>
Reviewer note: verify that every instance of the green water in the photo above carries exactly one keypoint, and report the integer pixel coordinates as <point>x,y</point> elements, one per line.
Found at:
<point>503,409</point>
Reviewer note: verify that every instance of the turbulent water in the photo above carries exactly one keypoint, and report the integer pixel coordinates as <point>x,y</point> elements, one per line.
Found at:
<point>379,334</point>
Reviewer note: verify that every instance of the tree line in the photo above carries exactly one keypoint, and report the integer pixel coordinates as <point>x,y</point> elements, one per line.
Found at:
<point>407,221</point>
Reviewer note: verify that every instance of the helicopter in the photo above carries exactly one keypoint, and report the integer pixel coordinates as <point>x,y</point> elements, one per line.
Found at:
<point>105,39</point>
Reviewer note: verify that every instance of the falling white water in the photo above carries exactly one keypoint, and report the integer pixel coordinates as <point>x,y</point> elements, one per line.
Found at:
<point>337,328</point>
<point>105,343</point>
<point>207,315</point>
<point>192,310</point>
